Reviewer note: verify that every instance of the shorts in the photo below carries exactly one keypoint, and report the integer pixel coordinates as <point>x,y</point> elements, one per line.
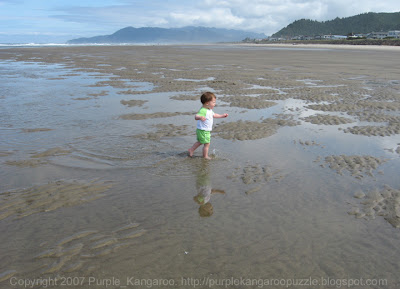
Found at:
<point>203,136</point>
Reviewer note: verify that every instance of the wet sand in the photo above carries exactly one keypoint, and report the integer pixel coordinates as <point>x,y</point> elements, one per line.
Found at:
<point>96,180</point>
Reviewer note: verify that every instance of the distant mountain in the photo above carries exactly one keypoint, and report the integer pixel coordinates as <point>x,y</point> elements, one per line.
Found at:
<point>188,34</point>
<point>363,23</point>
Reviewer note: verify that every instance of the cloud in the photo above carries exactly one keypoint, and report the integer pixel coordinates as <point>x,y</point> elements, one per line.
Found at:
<point>218,17</point>
<point>116,15</point>
<point>85,18</point>
<point>267,16</point>
<point>271,15</point>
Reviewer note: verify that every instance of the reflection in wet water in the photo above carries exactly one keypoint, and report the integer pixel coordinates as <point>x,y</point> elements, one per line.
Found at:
<point>205,190</point>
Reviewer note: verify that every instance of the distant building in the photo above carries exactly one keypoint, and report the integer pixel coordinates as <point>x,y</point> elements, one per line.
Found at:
<point>335,37</point>
<point>356,36</point>
<point>360,35</point>
<point>339,37</point>
<point>377,35</point>
<point>394,34</point>
<point>302,37</point>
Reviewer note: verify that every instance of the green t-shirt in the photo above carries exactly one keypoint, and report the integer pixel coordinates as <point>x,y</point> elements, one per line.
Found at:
<point>208,123</point>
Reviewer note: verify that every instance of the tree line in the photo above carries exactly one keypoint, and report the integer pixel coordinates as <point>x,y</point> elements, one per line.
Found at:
<point>359,24</point>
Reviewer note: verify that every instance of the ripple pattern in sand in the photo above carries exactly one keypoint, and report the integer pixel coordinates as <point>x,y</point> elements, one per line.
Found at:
<point>357,166</point>
<point>83,251</point>
<point>113,152</point>
<point>50,197</point>
<point>371,130</point>
<point>255,102</point>
<point>359,106</point>
<point>385,203</point>
<point>251,130</point>
<point>255,176</point>
<point>39,158</point>
<point>138,116</point>
<point>166,130</point>
<point>309,143</point>
<point>7,275</point>
<point>327,119</point>
<point>133,102</point>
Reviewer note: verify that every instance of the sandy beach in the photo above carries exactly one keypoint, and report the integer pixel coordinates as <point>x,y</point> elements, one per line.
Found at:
<point>331,46</point>
<point>303,183</point>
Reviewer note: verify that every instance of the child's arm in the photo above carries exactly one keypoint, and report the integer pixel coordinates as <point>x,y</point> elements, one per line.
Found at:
<point>199,117</point>
<point>216,115</point>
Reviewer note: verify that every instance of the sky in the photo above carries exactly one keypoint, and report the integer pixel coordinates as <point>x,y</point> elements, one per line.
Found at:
<point>57,21</point>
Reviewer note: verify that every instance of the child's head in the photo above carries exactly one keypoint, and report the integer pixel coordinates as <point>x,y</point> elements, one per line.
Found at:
<point>207,97</point>
<point>206,210</point>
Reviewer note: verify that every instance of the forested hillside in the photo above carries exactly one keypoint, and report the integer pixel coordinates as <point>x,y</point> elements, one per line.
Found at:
<point>363,23</point>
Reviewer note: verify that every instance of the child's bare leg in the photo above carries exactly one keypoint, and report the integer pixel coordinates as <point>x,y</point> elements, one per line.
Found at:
<point>193,148</point>
<point>205,151</point>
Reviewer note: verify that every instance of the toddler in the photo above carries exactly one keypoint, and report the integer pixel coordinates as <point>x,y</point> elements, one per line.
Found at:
<point>204,119</point>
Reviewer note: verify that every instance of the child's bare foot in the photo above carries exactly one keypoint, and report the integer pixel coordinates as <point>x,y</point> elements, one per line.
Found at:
<point>207,158</point>
<point>190,152</point>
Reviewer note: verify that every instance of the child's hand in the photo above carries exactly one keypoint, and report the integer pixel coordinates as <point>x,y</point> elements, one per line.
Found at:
<point>203,118</point>
<point>225,115</point>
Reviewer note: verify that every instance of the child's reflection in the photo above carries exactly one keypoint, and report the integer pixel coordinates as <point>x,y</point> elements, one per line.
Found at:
<point>204,191</point>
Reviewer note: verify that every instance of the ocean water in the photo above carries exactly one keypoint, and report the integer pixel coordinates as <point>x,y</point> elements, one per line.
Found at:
<point>89,199</point>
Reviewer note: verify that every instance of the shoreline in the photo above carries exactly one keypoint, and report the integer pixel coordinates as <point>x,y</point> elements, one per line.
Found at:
<point>328,46</point>
<point>228,44</point>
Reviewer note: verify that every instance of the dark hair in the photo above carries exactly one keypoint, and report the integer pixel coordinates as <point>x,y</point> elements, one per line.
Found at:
<point>206,210</point>
<point>207,96</point>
